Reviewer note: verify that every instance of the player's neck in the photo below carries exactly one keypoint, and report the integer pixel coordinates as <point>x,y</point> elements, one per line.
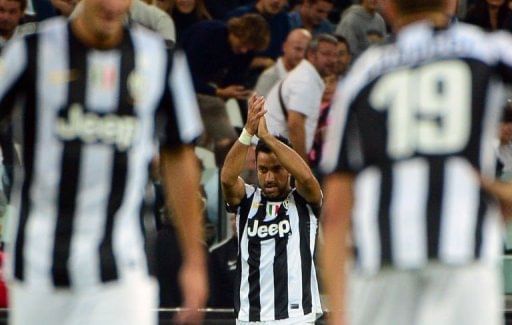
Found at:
<point>437,19</point>
<point>84,32</point>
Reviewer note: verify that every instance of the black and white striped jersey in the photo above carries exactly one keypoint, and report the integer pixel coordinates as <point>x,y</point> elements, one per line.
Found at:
<point>415,120</point>
<point>89,120</point>
<point>276,277</point>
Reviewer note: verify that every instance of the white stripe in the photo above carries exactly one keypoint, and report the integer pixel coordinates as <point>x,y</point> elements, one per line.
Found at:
<point>459,212</point>
<point>185,102</point>
<point>408,207</point>
<point>294,262</point>
<point>90,215</point>
<point>268,249</point>
<point>40,231</point>
<point>365,218</point>
<point>492,114</point>
<point>492,236</point>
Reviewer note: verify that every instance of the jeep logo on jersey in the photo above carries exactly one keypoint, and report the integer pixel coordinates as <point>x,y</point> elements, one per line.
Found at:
<point>93,128</point>
<point>268,230</point>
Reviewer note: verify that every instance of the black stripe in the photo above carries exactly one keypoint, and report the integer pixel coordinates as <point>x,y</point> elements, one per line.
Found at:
<point>483,207</point>
<point>434,205</point>
<point>254,260</point>
<point>108,266</point>
<point>280,270</point>
<point>305,252</point>
<point>70,168</point>
<point>384,215</point>
<point>29,139</point>
<point>243,213</point>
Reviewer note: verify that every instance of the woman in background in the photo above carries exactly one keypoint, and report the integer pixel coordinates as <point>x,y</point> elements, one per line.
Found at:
<point>185,13</point>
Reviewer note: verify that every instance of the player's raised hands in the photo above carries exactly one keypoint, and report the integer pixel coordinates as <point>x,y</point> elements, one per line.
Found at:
<point>262,128</point>
<point>256,110</point>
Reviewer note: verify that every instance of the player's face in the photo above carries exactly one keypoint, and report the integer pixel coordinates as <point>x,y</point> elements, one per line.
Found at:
<point>10,15</point>
<point>273,178</point>
<point>272,7</point>
<point>105,18</point>
<point>324,58</point>
<point>185,6</point>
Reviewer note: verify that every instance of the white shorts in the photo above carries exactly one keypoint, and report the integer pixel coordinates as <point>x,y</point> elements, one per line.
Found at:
<point>124,303</point>
<point>437,294</point>
<point>308,319</point>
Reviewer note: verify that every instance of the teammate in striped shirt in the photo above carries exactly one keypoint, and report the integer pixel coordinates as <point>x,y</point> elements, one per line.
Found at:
<point>277,225</point>
<point>92,93</point>
<point>412,125</point>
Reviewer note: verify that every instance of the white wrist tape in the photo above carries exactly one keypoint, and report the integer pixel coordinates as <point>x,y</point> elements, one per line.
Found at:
<point>245,138</point>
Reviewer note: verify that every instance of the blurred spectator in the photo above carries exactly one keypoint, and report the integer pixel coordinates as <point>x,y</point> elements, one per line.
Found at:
<point>294,50</point>
<point>11,13</point>
<point>148,16</point>
<point>184,13</point>
<point>490,15</point>
<point>219,55</point>
<point>279,25</point>
<point>222,269</point>
<point>315,154</point>
<point>312,15</point>
<point>344,56</point>
<point>293,105</point>
<point>355,23</point>
<point>220,8</point>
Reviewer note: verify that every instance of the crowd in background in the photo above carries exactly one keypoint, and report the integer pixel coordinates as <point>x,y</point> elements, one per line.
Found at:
<point>292,52</point>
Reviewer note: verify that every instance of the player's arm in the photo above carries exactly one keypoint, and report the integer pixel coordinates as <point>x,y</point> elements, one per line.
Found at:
<point>14,64</point>
<point>181,124</point>
<point>180,173</point>
<point>335,223</point>
<point>306,183</point>
<point>297,130</point>
<point>233,186</point>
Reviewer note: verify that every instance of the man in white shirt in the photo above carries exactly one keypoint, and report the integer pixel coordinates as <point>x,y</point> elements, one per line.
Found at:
<point>293,105</point>
<point>294,50</point>
<point>11,13</point>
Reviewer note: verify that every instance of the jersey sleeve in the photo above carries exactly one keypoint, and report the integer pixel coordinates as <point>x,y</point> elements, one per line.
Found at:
<point>179,121</point>
<point>13,72</point>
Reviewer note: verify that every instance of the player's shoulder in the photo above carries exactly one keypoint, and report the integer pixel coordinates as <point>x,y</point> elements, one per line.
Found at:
<point>146,38</point>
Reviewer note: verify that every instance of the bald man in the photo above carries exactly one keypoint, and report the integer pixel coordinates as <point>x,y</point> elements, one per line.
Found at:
<point>294,50</point>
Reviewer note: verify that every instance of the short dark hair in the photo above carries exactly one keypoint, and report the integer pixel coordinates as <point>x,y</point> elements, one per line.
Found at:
<point>262,146</point>
<point>251,29</point>
<point>343,40</point>
<point>321,38</point>
<point>415,6</point>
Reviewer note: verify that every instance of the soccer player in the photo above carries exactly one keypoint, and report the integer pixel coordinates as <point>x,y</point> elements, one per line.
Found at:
<point>276,226</point>
<point>90,92</point>
<point>412,125</point>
